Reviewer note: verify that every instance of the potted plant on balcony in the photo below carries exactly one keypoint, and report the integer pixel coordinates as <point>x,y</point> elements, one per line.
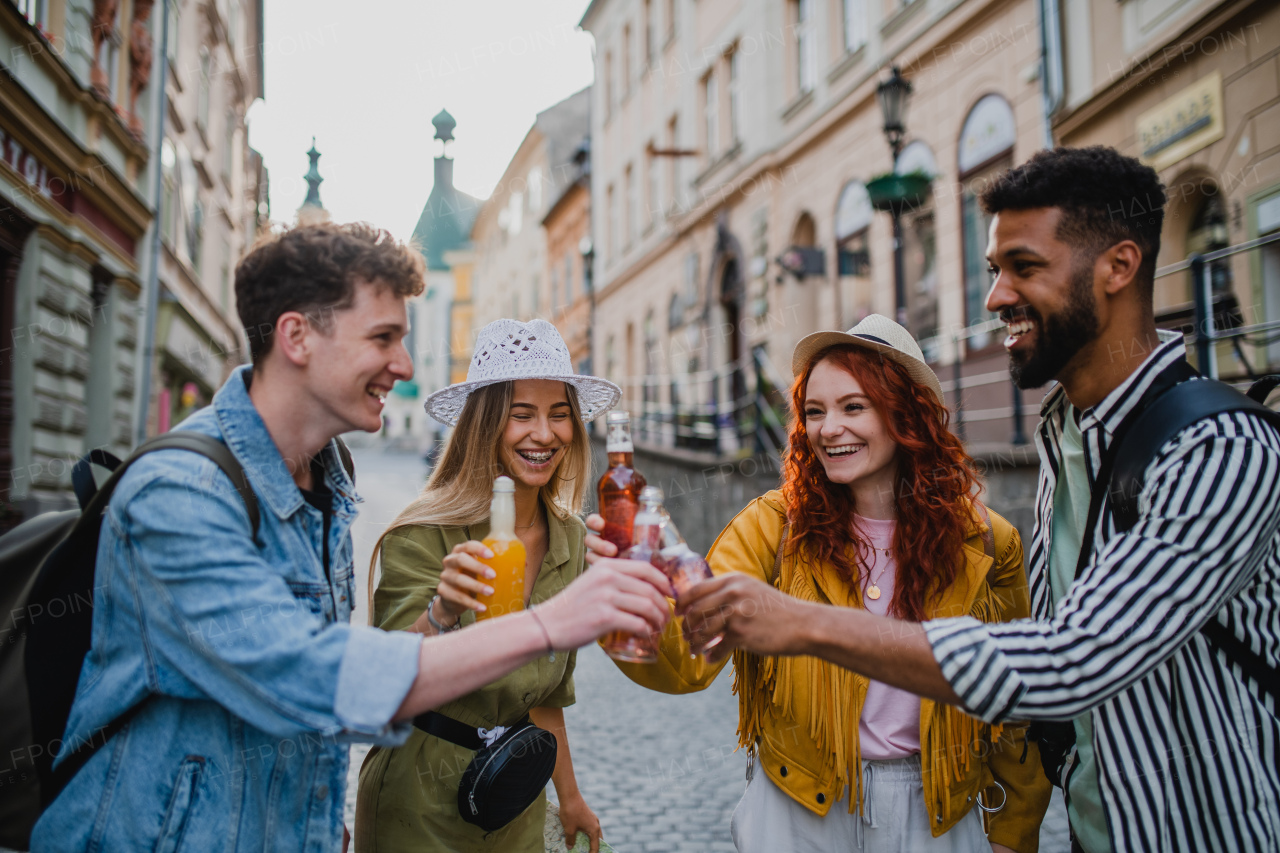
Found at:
<point>897,193</point>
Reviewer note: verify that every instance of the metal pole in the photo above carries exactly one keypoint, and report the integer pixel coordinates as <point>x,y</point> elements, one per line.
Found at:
<point>955,378</point>
<point>1203,315</point>
<point>153,273</point>
<point>899,286</point>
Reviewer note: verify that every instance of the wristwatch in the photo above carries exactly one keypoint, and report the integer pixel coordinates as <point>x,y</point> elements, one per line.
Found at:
<point>440,629</point>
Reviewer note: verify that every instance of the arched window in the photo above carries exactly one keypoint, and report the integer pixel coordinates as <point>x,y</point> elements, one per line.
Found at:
<point>985,150</point>
<point>853,218</point>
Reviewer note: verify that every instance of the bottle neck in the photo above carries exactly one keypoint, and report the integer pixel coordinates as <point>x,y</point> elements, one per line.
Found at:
<point>621,458</point>
<point>502,516</point>
<point>647,530</point>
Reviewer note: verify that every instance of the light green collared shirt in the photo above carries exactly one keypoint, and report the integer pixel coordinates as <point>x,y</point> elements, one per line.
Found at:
<point>1070,514</point>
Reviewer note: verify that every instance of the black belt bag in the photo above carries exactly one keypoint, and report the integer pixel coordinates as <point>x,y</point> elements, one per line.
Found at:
<point>505,776</point>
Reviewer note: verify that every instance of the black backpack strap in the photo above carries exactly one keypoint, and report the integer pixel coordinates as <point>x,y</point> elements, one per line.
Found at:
<point>1178,372</point>
<point>1259,390</point>
<point>344,454</point>
<point>1165,412</point>
<point>82,474</point>
<point>212,449</point>
<point>194,442</point>
<point>1174,411</point>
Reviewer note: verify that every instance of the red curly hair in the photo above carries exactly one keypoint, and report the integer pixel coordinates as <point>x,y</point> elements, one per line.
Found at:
<point>936,479</point>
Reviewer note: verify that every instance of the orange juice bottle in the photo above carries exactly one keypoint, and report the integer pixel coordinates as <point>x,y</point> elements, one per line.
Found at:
<point>508,554</point>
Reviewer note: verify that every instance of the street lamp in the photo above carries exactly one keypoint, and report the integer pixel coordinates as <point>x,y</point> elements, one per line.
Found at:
<point>894,95</point>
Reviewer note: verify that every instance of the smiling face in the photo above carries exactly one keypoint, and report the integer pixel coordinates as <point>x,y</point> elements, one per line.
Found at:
<point>539,431</point>
<point>1043,290</point>
<point>361,357</point>
<point>848,435</point>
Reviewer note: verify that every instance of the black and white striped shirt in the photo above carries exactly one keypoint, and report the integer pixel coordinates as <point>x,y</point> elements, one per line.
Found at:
<point>1186,745</point>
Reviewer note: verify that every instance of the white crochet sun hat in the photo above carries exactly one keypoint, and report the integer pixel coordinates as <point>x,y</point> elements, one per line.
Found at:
<point>507,350</point>
<point>878,334</point>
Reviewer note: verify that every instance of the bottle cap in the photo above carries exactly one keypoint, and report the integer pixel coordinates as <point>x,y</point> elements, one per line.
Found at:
<point>618,418</point>
<point>651,493</point>
<point>504,484</point>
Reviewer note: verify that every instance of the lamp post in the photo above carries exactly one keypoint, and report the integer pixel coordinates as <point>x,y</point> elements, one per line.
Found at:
<point>894,94</point>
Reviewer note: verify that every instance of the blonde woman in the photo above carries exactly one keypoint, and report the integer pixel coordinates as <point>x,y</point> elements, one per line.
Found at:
<point>521,414</point>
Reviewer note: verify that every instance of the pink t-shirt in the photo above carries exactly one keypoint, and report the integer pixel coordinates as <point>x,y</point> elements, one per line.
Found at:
<point>890,723</point>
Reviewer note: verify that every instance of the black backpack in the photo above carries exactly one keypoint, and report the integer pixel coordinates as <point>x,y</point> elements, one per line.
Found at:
<point>47,594</point>
<point>1169,406</point>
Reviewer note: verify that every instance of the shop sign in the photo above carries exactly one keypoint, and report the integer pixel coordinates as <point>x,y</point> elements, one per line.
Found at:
<point>1182,124</point>
<point>22,161</point>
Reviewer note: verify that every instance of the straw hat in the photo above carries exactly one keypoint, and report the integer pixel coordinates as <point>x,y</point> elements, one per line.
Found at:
<point>507,350</point>
<point>878,334</point>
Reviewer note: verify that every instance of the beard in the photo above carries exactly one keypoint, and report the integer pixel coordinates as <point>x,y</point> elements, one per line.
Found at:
<point>1060,335</point>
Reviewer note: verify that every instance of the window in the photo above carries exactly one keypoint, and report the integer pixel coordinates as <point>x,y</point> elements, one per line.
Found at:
<point>195,234</point>
<point>711,108</point>
<point>673,141</point>
<point>611,235</point>
<point>174,29</point>
<point>229,147</point>
<point>626,60</point>
<point>855,24</point>
<point>653,203</point>
<point>35,11</point>
<point>735,97</point>
<point>629,223</point>
<point>202,101</point>
<point>168,208</point>
<point>608,85</point>
<point>568,278</point>
<point>534,182</point>
<point>806,61</point>
<point>650,32</point>
<point>224,277</point>
<point>112,63</point>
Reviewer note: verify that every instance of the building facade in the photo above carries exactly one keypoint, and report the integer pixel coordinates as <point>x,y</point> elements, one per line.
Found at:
<point>213,200</point>
<point>567,226</point>
<point>513,269</point>
<point>73,191</point>
<point>78,117</point>
<point>1193,88</point>
<point>733,146</point>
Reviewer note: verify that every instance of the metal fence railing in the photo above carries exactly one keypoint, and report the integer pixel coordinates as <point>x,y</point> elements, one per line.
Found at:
<point>742,407</point>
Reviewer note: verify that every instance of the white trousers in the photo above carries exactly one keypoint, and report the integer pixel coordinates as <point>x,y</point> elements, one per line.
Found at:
<point>894,819</point>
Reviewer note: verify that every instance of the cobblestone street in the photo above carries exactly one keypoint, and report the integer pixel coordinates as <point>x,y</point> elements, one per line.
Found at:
<point>660,771</point>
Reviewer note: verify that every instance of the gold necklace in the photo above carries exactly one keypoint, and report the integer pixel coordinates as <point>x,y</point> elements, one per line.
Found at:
<point>873,591</point>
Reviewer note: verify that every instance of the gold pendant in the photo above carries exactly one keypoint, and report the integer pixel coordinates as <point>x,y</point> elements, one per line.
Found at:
<point>873,592</point>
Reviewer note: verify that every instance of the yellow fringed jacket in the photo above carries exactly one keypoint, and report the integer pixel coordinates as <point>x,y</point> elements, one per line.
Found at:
<point>801,714</point>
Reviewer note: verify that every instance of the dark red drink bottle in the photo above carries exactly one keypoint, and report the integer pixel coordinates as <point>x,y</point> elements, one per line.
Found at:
<point>619,488</point>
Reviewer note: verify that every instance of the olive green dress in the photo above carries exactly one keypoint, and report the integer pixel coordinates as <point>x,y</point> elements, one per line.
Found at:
<point>408,796</point>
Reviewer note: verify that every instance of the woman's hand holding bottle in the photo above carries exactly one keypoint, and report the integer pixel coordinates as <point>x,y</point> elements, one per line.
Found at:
<point>615,595</point>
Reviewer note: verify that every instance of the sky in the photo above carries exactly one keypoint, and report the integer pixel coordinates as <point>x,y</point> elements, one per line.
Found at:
<point>366,78</point>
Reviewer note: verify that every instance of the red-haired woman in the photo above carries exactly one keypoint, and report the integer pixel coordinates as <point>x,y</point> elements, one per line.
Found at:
<point>877,510</point>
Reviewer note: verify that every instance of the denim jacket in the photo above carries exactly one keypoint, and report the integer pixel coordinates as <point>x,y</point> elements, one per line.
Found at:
<point>254,681</point>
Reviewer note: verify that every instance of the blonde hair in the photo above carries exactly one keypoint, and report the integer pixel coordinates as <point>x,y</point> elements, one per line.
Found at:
<point>458,492</point>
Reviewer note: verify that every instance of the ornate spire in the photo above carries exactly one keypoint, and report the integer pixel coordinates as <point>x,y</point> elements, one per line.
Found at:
<point>444,125</point>
<point>313,178</point>
<point>312,210</point>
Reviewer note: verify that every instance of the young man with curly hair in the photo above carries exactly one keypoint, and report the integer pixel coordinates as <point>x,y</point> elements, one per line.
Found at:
<point>1177,743</point>
<point>227,653</point>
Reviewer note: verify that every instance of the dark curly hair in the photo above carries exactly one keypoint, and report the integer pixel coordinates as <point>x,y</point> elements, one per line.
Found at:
<point>313,269</point>
<point>1105,197</point>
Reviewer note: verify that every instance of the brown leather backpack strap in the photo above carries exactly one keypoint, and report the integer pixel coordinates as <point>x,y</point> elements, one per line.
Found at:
<point>777,558</point>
